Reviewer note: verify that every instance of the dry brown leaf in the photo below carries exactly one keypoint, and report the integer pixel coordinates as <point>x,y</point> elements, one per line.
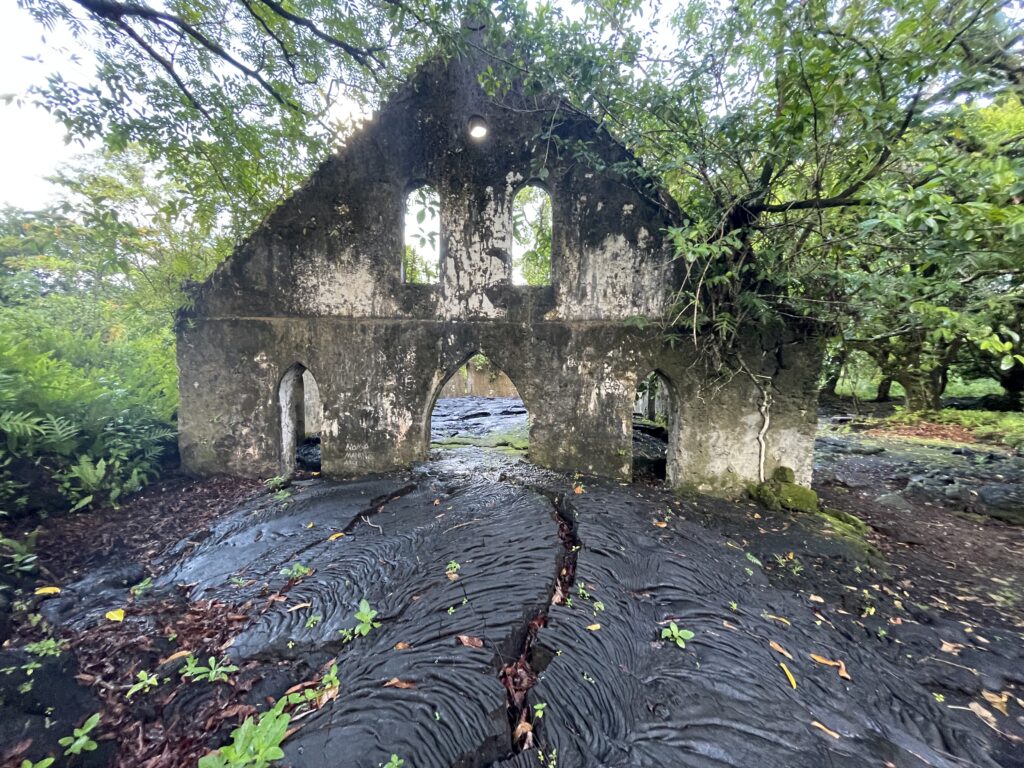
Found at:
<point>984,714</point>
<point>523,731</point>
<point>816,599</point>
<point>660,524</point>
<point>953,648</point>
<point>827,730</point>
<point>469,641</point>
<point>577,489</point>
<point>997,700</point>
<point>452,576</point>
<point>335,536</point>
<point>593,627</point>
<point>394,682</point>
<point>841,665</point>
<point>179,655</point>
<point>402,646</point>
<point>778,648</point>
<point>787,622</point>
<point>300,605</point>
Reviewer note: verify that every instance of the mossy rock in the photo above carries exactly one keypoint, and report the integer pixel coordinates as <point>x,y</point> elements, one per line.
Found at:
<point>784,475</point>
<point>776,495</point>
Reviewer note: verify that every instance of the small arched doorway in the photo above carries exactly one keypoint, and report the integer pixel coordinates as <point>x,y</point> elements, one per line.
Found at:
<point>653,422</point>
<point>302,414</point>
<point>478,405</point>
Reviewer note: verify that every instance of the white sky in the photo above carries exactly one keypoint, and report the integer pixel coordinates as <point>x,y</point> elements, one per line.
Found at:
<point>31,142</point>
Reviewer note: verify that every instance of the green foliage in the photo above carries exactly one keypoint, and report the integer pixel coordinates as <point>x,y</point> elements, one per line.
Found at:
<point>46,762</point>
<point>213,672</point>
<point>296,571</point>
<point>18,558</point>
<point>531,234</point>
<point>365,616</point>
<point>676,635</point>
<point>146,682</point>
<point>394,762</point>
<point>79,741</point>
<point>998,427</point>
<point>47,647</point>
<point>253,744</point>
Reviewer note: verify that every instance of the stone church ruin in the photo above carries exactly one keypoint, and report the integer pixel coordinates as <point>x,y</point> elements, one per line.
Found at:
<point>316,300</point>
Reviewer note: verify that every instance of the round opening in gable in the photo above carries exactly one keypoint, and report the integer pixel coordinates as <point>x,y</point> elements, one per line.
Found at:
<point>477,127</point>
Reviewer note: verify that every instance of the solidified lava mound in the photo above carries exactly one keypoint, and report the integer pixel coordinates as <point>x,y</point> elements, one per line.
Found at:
<point>521,618</point>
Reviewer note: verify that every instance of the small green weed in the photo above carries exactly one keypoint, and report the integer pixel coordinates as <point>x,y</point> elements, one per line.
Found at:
<point>213,672</point>
<point>79,741</point>
<point>296,572</point>
<point>676,635</point>
<point>253,744</point>
<point>146,683</point>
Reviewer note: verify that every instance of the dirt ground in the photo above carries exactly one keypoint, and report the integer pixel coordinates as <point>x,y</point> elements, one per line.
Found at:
<point>924,605</point>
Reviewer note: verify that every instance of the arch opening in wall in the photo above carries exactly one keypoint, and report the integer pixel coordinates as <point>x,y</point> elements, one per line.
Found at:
<point>653,422</point>
<point>531,236</point>
<point>478,405</point>
<point>421,244</point>
<point>302,415</point>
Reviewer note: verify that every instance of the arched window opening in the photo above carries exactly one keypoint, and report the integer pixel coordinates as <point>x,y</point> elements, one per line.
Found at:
<point>479,406</point>
<point>421,247</point>
<point>652,415</point>
<point>302,415</point>
<point>531,237</point>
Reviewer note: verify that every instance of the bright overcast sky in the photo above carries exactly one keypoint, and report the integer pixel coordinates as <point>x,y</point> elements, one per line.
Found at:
<point>31,142</point>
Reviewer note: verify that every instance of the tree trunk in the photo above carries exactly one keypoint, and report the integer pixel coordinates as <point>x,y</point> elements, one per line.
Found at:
<point>1013,380</point>
<point>884,388</point>
<point>923,391</point>
<point>835,368</point>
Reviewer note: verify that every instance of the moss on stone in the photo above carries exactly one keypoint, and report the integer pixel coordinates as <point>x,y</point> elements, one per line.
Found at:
<point>776,494</point>
<point>784,475</point>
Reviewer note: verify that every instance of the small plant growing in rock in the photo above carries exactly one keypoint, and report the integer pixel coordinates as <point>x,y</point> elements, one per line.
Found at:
<point>283,495</point>
<point>676,635</point>
<point>296,572</point>
<point>365,616</point>
<point>214,672</point>
<point>47,647</point>
<point>313,620</point>
<point>79,741</point>
<point>142,587</point>
<point>146,683</point>
<point>452,570</point>
<point>275,483</point>
<point>253,744</point>
<point>538,710</point>
<point>394,762</point>
<point>46,762</point>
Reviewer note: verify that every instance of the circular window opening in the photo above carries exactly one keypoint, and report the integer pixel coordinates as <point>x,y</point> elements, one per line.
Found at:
<point>477,127</point>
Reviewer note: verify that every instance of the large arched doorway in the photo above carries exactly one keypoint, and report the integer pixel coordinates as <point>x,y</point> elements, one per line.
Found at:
<point>302,416</point>
<point>653,422</point>
<point>478,405</point>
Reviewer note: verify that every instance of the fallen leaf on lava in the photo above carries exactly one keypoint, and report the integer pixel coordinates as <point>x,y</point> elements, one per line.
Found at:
<point>827,730</point>
<point>953,648</point>
<point>47,590</point>
<point>300,605</point>
<point>394,682</point>
<point>469,641</point>
<point>779,649</point>
<point>997,700</point>
<point>577,489</point>
<point>437,502</point>
<point>175,656</point>
<point>335,536</point>
<point>594,627</point>
<point>832,663</point>
<point>816,598</point>
<point>452,576</point>
<point>524,732</point>
<point>984,714</point>
<point>660,524</point>
<point>787,622</point>
<point>115,615</point>
<point>789,675</point>
<point>402,646</point>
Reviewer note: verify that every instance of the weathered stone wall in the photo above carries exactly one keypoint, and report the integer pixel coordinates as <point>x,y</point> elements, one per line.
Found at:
<point>318,289</point>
